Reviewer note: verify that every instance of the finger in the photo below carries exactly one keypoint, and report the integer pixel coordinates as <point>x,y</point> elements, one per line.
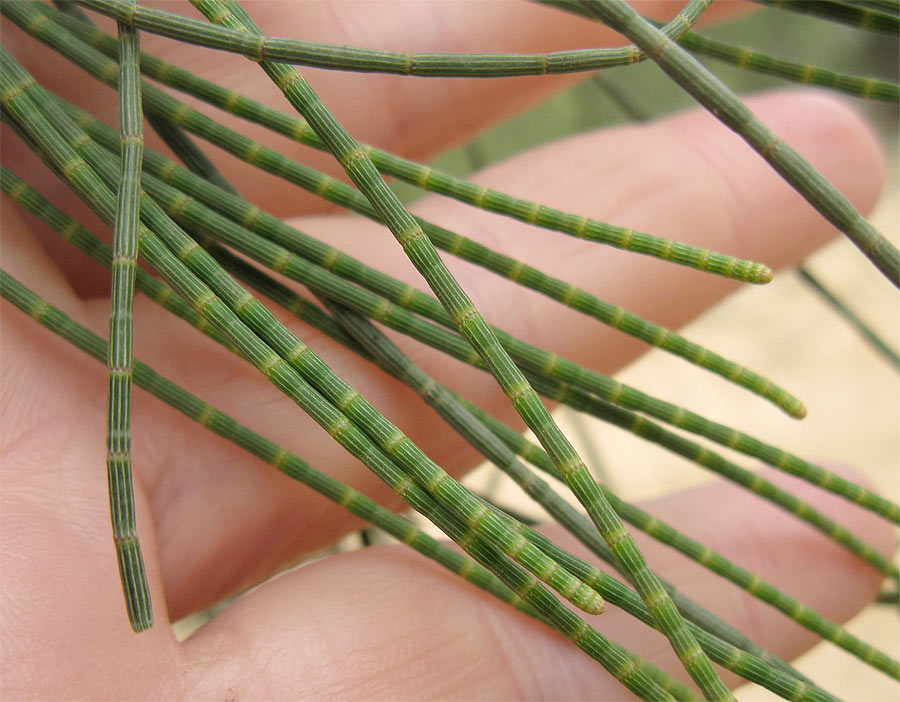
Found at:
<point>211,502</point>
<point>382,623</point>
<point>416,117</point>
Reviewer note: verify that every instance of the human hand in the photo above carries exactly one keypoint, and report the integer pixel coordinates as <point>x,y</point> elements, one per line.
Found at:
<point>214,521</point>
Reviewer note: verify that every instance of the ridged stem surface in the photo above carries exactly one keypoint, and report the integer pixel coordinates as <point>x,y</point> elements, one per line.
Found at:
<point>121,337</point>
<point>349,58</point>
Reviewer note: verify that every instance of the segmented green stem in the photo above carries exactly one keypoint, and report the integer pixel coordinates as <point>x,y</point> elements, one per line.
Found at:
<point>626,667</point>
<point>453,345</point>
<point>869,334</point>
<point>541,361</point>
<point>452,241</point>
<point>348,58</point>
<point>173,136</point>
<point>391,440</point>
<point>22,193</point>
<point>714,95</point>
<point>421,252</point>
<point>163,295</point>
<point>638,675</point>
<point>531,357</point>
<point>859,86</point>
<point>352,500</point>
<point>844,12</point>
<point>201,219</point>
<point>432,180</point>
<point>121,338</point>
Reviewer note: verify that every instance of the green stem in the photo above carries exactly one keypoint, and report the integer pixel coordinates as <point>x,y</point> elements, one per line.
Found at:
<point>208,223</point>
<point>844,12</point>
<point>715,96</point>
<point>343,405</point>
<point>858,86</point>
<point>875,341</point>
<point>446,342</point>
<point>532,357</point>
<point>312,314</point>
<point>121,335</point>
<point>348,58</point>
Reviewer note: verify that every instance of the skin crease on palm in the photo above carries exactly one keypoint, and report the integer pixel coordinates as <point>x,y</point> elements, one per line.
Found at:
<point>384,623</point>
